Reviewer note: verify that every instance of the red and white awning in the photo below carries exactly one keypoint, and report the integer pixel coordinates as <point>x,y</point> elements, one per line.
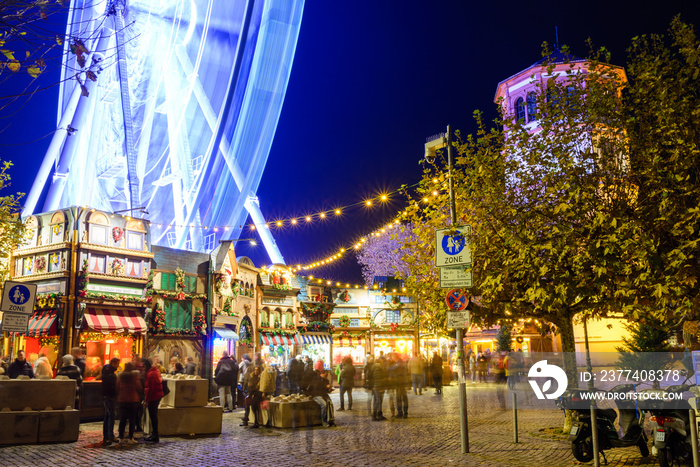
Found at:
<point>276,339</point>
<point>43,323</point>
<point>107,320</point>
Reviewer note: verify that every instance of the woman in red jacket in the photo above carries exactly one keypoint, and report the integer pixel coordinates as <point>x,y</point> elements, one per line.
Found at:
<point>154,393</point>
<point>129,398</point>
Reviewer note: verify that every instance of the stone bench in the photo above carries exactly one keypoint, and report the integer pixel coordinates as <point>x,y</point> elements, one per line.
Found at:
<point>292,414</point>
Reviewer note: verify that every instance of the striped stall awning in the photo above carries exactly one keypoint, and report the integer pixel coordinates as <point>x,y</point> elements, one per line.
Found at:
<point>350,341</point>
<point>226,333</point>
<point>276,339</point>
<point>316,338</point>
<point>393,336</point>
<point>43,323</point>
<point>107,320</point>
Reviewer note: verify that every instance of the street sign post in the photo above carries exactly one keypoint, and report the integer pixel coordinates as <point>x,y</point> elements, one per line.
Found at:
<point>14,322</point>
<point>456,300</point>
<point>451,246</point>
<point>18,297</point>
<point>455,276</point>
<point>459,319</point>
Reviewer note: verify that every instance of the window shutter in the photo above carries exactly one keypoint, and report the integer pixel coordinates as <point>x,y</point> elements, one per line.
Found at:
<point>191,284</point>
<point>186,315</point>
<point>168,308</point>
<point>171,282</point>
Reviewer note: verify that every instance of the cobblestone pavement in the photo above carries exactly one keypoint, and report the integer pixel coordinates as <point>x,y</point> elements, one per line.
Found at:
<point>429,437</point>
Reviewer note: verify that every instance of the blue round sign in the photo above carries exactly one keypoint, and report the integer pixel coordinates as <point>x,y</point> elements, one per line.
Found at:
<point>19,295</point>
<point>453,244</point>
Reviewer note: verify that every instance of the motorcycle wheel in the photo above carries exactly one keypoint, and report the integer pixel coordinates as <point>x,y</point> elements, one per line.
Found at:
<point>663,457</point>
<point>643,448</point>
<point>582,450</point>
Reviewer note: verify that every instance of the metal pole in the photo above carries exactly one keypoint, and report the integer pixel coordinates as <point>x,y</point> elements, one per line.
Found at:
<point>694,437</point>
<point>515,417</point>
<point>464,420</point>
<point>594,418</point>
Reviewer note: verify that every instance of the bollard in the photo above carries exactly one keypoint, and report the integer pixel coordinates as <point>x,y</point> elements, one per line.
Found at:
<point>515,417</point>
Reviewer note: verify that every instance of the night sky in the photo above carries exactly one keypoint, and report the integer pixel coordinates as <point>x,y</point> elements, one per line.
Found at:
<point>370,81</point>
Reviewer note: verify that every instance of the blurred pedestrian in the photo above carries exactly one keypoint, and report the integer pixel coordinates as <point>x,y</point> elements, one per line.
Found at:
<point>252,401</point>
<point>426,370</point>
<point>128,398</point>
<point>226,377</point>
<point>268,386</point>
<point>318,388</point>
<point>415,367</point>
<point>400,378</point>
<point>190,367</point>
<point>153,395</point>
<point>481,363</point>
<point>156,363</point>
<point>109,399</point>
<point>72,371</point>
<point>42,367</point>
<point>379,377</point>
<point>472,366</point>
<point>295,370</point>
<point>78,359</point>
<point>346,382</point>
<point>20,367</point>
<point>436,371</point>
<point>368,384</point>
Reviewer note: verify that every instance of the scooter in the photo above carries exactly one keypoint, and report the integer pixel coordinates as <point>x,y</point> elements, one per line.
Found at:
<point>670,425</point>
<point>581,435</point>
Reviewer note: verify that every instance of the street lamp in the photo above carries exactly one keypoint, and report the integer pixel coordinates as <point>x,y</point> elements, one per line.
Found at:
<point>432,144</point>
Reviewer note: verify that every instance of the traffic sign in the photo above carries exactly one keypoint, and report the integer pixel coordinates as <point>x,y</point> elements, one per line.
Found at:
<point>18,297</point>
<point>456,300</point>
<point>459,319</point>
<point>451,246</point>
<point>455,276</point>
<point>14,322</point>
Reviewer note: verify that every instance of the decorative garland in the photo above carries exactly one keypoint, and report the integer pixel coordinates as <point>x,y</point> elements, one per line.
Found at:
<point>117,234</point>
<point>247,340</point>
<point>98,336</point>
<point>118,298</point>
<point>283,287</point>
<point>179,295</point>
<point>317,326</point>
<point>218,283</point>
<point>326,308</point>
<point>198,321</point>
<point>228,309</point>
<point>158,322</point>
<point>180,280</point>
<point>117,266</point>
<point>46,341</point>
<point>48,300</point>
<point>344,321</point>
<point>279,331</point>
<point>395,303</point>
<point>344,296</point>
<point>83,279</point>
<point>40,264</point>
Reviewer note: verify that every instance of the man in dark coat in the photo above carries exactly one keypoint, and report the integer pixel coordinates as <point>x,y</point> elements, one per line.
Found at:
<point>78,359</point>
<point>226,377</point>
<point>109,398</point>
<point>436,370</point>
<point>378,376</point>
<point>319,386</point>
<point>295,371</point>
<point>20,367</point>
<point>73,372</point>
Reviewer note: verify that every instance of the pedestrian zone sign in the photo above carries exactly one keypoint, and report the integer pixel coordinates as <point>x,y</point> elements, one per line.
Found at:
<point>18,297</point>
<point>452,248</point>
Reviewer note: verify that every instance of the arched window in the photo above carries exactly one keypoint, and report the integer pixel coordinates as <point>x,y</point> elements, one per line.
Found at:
<point>265,318</point>
<point>520,109</point>
<point>276,318</point>
<point>531,107</point>
<point>56,227</point>
<point>98,229</point>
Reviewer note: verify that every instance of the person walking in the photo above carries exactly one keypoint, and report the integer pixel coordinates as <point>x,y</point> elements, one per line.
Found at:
<point>42,367</point>
<point>254,397</point>
<point>128,398</point>
<point>295,371</point>
<point>426,370</point>
<point>436,370</point>
<point>78,359</point>
<point>472,366</point>
<point>378,377</point>
<point>346,382</point>
<point>415,367</point>
<point>226,377</point>
<point>153,395</point>
<point>20,367</point>
<point>190,367</point>
<point>399,375</point>
<point>481,363</point>
<point>109,399</point>
<point>318,388</point>
<point>72,371</point>
<point>268,386</point>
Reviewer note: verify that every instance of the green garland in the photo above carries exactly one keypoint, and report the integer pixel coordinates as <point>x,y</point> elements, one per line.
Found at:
<point>322,307</point>
<point>198,321</point>
<point>48,300</point>
<point>180,280</point>
<point>344,321</point>
<point>317,326</point>
<point>279,331</point>
<point>117,297</point>
<point>45,341</point>
<point>83,279</point>
<point>283,287</point>
<point>158,318</point>
<point>179,295</point>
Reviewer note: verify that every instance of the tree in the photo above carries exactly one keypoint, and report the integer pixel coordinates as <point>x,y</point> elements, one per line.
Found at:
<point>646,349</point>
<point>504,339</point>
<point>12,229</point>
<point>379,254</point>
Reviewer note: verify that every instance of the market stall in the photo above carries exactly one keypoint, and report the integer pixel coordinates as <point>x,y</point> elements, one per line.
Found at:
<point>276,349</point>
<point>398,343</point>
<point>225,339</point>
<point>317,345</point>
<point>352,346</point>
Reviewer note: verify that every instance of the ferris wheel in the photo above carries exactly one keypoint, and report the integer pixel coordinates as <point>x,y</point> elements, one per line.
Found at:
<point>170,106</point>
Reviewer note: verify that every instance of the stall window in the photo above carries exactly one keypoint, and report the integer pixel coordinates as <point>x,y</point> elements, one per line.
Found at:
<point>348,311</point>
<point>98,234</point>
<point>393,316</point>
<point>167,281</point>
<point>134,240</point>
<point>178,314</point>
<point>56,233</point>
<point>133,268</point>
<point>277,319</point>
<point>28,266</point>
<point>96,263</point>
<point>354,322</point>
<point>54,262</point>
